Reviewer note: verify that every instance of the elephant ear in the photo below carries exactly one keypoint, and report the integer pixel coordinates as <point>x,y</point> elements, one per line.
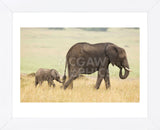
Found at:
<point>57,75</point>
<point>53,74</point>
<point>112,53</point>
<point>121,52</point>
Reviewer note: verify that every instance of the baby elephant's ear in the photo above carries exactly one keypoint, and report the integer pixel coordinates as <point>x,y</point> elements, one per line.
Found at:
<point>53,74</point>
<point>57,75</point>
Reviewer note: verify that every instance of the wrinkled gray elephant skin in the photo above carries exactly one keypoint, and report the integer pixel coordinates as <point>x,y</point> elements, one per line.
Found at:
<point>85,58</point>
<point>46,75</point>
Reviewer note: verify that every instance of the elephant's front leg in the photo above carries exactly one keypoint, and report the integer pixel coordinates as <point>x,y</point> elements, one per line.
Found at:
<point>53,84</point>
<point>107,79</point>
<point>101,75</point>
<point>50,82</point>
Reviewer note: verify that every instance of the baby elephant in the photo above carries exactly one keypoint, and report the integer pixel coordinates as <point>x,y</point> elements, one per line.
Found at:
<point>46,75</point>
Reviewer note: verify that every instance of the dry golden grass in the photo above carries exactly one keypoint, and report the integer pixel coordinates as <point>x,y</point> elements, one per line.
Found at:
<point>83,91</point>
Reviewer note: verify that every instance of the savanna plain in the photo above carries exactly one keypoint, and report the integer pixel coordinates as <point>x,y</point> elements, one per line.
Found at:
<point>47,48</point>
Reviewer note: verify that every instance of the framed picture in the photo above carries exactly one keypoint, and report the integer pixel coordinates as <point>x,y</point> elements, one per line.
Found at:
<point>44,48</point>
<point>43,45</point>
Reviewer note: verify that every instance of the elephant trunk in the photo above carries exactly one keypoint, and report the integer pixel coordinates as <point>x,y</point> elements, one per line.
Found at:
<point>125,74</point>
<point>59,81</point>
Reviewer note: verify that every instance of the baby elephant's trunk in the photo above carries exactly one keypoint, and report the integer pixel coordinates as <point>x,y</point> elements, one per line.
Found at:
<point>59,81</point>
<point>64,79</point>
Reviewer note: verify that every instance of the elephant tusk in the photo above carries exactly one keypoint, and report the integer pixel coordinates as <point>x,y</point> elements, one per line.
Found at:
<point>128,69</point>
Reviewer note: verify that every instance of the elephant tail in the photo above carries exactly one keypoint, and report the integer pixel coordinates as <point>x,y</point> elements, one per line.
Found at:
<point>64,77</point>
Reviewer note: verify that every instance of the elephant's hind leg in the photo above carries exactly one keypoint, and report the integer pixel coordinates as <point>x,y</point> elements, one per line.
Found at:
<point>72,76</point>
<point>71,85</point>
<point>101,75</point>
<point>53,84</point>
<point>36,81</point>
<point>107,79</point>
<point>70,80</point>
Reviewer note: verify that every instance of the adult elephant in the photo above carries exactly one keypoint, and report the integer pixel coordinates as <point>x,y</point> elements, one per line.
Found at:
<point>85,58</point>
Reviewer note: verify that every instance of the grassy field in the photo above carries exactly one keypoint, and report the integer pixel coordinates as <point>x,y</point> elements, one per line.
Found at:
<point>83,91</point>
<point>47,48</point>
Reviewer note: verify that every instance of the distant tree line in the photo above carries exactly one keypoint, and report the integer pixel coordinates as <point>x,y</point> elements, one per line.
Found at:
<point>95,29</point>
<point>91,29</point>
<point>56,28</point>
<point>86,29</point>
<point>133,28</point>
